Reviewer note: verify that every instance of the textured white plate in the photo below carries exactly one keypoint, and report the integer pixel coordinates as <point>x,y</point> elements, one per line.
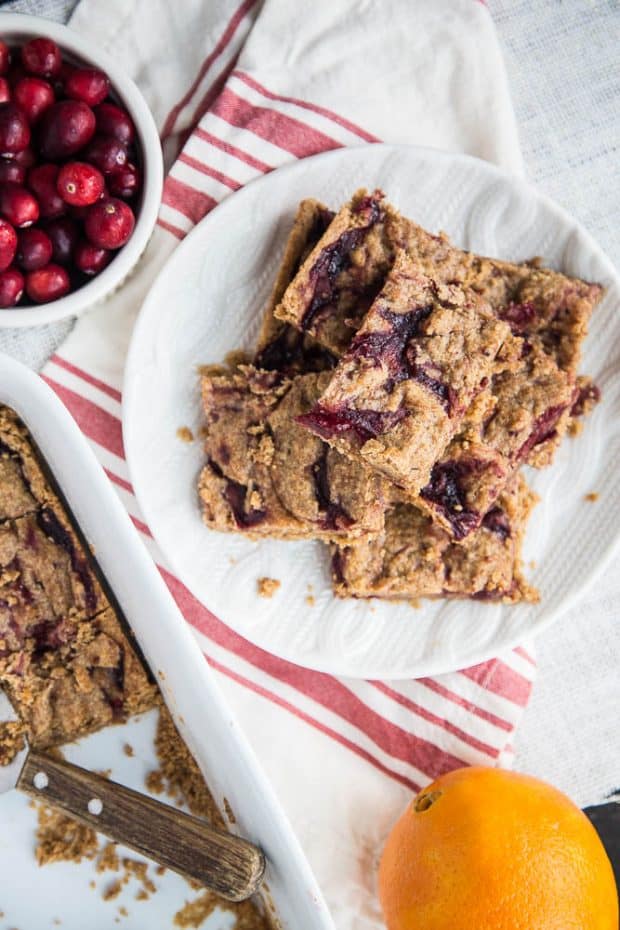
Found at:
<point>208,300</point>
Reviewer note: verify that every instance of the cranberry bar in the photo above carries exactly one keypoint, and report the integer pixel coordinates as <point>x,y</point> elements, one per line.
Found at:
<point>519,419</point>
<point>266,476</point>
<point>400,392</point>
<point>338,280</point>
<point>23,486</point>
<point>414,557</point>
<point>282,347</point>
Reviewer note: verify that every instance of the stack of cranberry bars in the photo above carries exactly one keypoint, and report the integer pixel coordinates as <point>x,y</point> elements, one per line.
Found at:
<point>398,386</point>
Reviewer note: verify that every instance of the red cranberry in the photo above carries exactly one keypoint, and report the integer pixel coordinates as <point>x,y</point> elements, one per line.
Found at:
<point>79,184</point>
<point>5,57</point>
<point>5,90</point>
<point>42,57</point>
<point>87,84</point>
<point>125,182</point>
<point>112,121</point>
<point>26,158</point>
<point>60,82</point>
<point>34,249</point>
<point>65,128</point>
<point>14,129</point>
<point>42,183</point>
<point>11,287</point>
<point>109,223</point>
<point>106,153</point>
<point>18,205</point>
<point>64,235</point>
<point>90,259</point>
<point>34,96</point>
<point>8,244</point>
<point>48,283</point>
<point>11,171</point>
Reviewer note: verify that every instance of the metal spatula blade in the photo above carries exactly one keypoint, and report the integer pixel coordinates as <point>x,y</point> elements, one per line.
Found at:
<point>227,864</point>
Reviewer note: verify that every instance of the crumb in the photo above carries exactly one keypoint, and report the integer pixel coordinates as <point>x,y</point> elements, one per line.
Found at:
<point>113,890</point>
<point>310,600</point>
<point>229,811</point>
<point>592,497</point>
<point>185,434</point>
<point>108,860</point>
<point>154,782</point>
<point>574,428</point>
<point>310,587</point>
<point>532,564</point>
<point>105,773</point>
<point>237,357</point>
<point>142,895</point>
<point>92,884</point>
<point>161,674</point>
<point>123,911</point>
<point>267,587</point>
<point>12,734</point>
<point>61,839</point>
<point>415,603</point>
<point>57,922</point>
<point>161,870</point>
<point>128,750</point>
<point>195,912</point>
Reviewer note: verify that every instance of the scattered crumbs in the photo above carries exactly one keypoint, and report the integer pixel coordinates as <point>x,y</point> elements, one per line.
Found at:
<point>113,890</point>
<point>532,564</point>
<point>11,740</point>
<point>203,432</point>
<point>154,782</point>
<point>61,839</point>
<point>574,428</point>
<point>592,497</point>
<point>195,912</point>
<point>267,587</point>
<point>92,884</point>
<point>161,674</point>
<point>310,600</point>
<point>57,922</point>
<point>415,603</point>
<point>310,587</point>
<point>160,870</point>
<point>185,434</point>
<point>32,805</point>
<point>142,895</point>
<point>108,860</point>
<point>229,811</point>
<point>128,750</point>
<point>123,911</point>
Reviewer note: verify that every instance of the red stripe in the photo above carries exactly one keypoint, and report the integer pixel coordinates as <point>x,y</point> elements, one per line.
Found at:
<point>270,696</point>
<point>179,233</point>
<point>232,150</point>
<point>96,423</point>
<point>329,114</point>
<point>501,679</point>
<point>438,721</point>
<point>119,481</point>
<point>143,528</point>
<point>211,172</point>
<point>209,98</point>
<point>227,35</point>
<point>187,200</point>
<point>84,375</point>
<point>319,687</point>
<point>525,655</point>
<point>434,685</point>
<point>287,133</point>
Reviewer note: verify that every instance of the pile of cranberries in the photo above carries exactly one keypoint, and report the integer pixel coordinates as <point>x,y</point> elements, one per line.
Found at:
<point>69,175</point>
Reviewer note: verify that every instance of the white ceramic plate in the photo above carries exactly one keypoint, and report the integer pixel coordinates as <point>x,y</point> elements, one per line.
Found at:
<point>208,299</point>
<point>232,772</point>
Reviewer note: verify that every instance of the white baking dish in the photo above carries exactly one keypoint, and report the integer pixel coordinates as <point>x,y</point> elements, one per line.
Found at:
<point>207,725</point>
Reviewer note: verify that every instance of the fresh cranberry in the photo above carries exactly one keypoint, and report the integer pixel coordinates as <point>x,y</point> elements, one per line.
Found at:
<point>5,57</point>
<point>87,84</point>
<point>8,244</point>
<point>11,287</point>
<point>125,182</point>
<point>109,223</point>
<point>42,57</point>
<point>34,96</point>
<point>11,171</point>
<point>65,127</point>
<point>5,90</point>
<point>106,153</point>
<point>112,121</point>
<point>18,205</point>
<point>90,259</point>
<point>34,249</point>
<point>80,184</point>
<point>26,158</point>
<point>42,182</point>
<point>48,283</point>
<point>14,129</point>
<point>64,235</point>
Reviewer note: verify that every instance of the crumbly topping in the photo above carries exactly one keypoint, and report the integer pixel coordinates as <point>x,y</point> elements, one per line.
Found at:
<point>267,587</point>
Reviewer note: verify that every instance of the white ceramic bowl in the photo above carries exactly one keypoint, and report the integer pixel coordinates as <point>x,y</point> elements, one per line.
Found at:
<point>17,28</point>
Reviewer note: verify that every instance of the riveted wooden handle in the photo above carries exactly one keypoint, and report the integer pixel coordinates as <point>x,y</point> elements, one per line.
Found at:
<point>225,863</point>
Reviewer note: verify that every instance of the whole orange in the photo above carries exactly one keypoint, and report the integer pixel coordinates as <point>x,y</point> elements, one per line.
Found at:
<point>486,849</point>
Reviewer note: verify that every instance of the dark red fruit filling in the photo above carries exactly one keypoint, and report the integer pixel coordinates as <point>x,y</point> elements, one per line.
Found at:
<point>497,522</point>
<point>447,491</point>
<point>364,424</point>
<point>334,516</point>
<point>544,429</point>
<point>333,260</point>
<point>235,495</point>
<point>52,527</point>
<point>520,317</point>
<point>289,350</point>
<point>586,397</point>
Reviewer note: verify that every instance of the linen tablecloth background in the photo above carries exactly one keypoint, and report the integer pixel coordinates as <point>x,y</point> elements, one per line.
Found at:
<point>266,87</point>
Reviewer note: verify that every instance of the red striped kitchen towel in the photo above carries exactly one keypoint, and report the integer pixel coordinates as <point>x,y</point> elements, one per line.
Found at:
<point>242,88</point>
